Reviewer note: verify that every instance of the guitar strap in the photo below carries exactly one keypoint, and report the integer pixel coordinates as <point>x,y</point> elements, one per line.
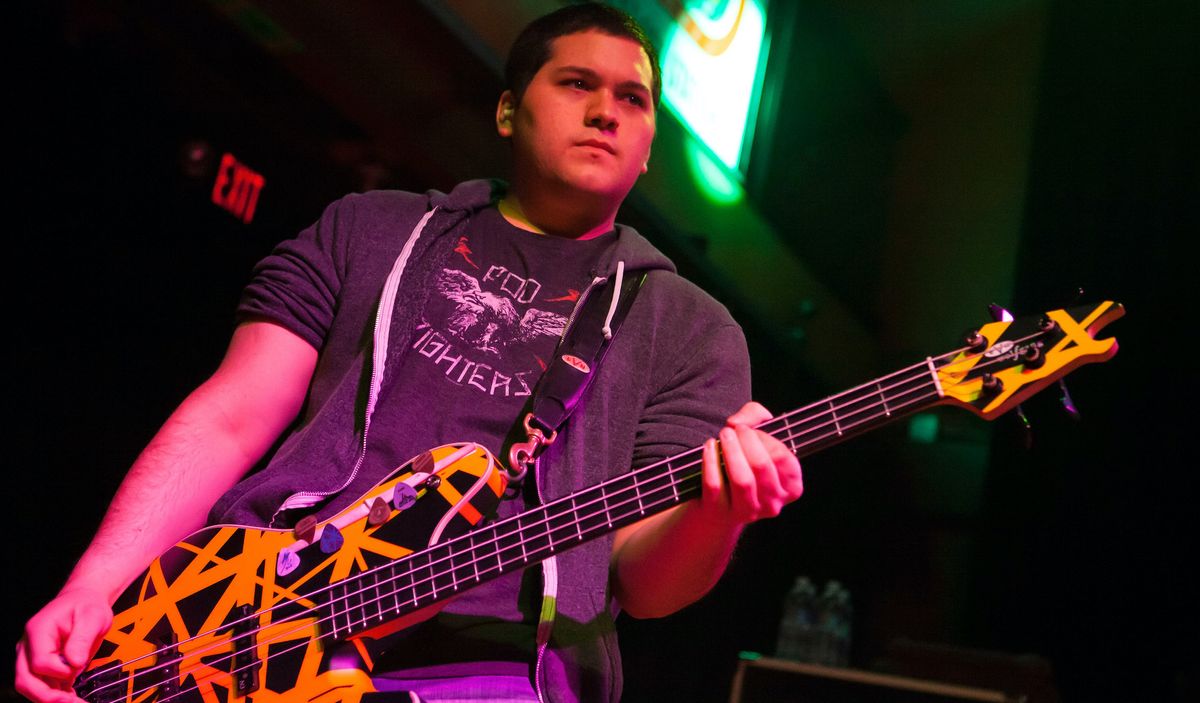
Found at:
<point>585,341</point>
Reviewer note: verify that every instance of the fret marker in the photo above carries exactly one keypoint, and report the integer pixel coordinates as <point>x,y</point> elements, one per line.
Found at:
<point>474,558</point>
<point>378,600</point>
<point>836,425</point>
<point>575,511</point>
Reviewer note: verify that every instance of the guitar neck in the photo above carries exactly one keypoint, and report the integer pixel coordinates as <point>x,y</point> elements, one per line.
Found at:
<point>440,571</point>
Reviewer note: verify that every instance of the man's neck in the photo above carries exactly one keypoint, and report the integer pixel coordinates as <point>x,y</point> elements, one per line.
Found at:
<point>553,217</point>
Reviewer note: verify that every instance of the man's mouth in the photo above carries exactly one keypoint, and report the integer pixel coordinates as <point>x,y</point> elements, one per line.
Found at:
<point>598,144</point>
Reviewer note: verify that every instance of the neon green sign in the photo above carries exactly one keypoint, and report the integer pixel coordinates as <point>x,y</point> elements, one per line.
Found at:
<point>713,54</point>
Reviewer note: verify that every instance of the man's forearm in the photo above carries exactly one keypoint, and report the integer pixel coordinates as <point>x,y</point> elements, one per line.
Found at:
<point>204,447</point>
<point>164,497</point>
<point>670,560</point>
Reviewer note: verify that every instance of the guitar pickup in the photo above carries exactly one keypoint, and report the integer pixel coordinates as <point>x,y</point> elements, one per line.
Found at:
<point>245,664</point>
<point>165,673</point>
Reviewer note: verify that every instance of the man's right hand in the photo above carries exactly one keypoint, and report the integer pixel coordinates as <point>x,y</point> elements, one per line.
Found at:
<point>58,642</point>
<point>203,449</point>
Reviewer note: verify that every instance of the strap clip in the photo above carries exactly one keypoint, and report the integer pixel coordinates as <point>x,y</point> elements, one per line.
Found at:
<point>522,454</point>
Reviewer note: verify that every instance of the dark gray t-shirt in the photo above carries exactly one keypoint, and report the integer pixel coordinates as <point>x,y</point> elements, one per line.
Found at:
<point>500,299</point>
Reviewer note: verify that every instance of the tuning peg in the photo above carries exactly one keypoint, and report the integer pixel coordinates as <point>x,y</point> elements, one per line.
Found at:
<point>975,342</point>
<point>1026,427</point>
<point>999,314</point>
<point>1067,403</point>
<point>1032,357</point>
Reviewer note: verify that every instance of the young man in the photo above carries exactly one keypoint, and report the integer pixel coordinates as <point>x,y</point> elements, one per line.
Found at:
<point>467,294</point>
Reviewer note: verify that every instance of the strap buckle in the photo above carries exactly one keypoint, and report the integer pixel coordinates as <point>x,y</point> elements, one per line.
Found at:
<point>522,454</point>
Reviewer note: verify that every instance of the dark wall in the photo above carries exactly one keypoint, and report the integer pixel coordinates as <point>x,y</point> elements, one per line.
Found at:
<point>1088,537</point>
<point>1079,553</point>
<point>121,274</point>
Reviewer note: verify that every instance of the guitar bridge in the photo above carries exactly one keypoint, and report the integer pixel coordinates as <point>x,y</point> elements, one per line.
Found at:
<point>103,686</point>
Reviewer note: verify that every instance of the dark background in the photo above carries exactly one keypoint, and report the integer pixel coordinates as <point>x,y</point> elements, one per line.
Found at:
<point>122,277</point>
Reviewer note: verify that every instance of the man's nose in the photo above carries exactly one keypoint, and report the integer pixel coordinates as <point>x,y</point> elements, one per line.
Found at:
<point>602,111</point>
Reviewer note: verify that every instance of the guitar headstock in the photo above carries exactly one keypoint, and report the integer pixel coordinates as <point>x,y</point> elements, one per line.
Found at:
<point>1011,360</point>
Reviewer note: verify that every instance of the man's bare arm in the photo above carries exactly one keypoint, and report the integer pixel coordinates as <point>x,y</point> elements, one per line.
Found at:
<point>670,560</point>
<point>213,438</point>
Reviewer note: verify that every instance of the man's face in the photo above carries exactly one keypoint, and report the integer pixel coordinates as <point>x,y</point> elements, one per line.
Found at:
<point>586,120</point>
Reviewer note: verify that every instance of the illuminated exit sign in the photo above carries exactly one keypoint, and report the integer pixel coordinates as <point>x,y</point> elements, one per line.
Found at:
<point>713,55</point>
<point>236,188</point>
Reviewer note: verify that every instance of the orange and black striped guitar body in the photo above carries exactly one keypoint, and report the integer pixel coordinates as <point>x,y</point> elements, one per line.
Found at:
<point>237,613</point>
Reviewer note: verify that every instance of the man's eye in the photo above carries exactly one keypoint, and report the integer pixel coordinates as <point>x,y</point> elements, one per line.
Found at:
<point>575,83</point>
<point>635,100</point>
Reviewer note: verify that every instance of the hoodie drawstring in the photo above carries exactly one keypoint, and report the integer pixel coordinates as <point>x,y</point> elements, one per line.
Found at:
<point>616,297</point>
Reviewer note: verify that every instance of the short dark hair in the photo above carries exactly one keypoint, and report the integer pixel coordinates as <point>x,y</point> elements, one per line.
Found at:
<point>531,50</point>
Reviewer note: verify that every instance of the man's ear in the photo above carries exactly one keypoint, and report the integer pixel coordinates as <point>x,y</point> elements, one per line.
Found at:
<point>504,114</point>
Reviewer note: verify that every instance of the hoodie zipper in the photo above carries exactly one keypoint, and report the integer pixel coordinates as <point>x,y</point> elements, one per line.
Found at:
<point>380,334</point>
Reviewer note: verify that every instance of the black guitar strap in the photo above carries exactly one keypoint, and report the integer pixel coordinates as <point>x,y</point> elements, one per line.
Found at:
<point>586,339</point>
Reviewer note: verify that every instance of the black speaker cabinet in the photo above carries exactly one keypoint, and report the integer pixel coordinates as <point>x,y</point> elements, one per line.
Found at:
<point>767,680</point>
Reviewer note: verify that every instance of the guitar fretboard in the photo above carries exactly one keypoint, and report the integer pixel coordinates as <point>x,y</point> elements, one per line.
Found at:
<point>438,572</point>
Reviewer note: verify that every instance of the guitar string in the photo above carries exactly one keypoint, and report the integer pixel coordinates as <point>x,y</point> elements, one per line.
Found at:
<point>676,495</point>
<point>476,547</point>
<point>322,636</point>
<point>679,487</point>
<point>921,368</point>
<point>670,488</point>
<point>545,521</point>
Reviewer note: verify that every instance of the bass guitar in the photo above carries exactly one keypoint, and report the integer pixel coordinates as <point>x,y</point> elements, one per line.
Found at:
<point>234,612</point>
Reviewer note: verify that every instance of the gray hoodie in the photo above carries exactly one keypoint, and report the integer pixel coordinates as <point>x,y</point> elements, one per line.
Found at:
<point>675,371</point>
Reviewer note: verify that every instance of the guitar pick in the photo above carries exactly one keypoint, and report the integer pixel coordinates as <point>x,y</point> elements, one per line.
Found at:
<point>379,512</point>
<point>433,482</point>
<point>423,464</point>
<point>306,528</point>
<point>331,539</point>
<point>403,496</point>
<point>286,563</point>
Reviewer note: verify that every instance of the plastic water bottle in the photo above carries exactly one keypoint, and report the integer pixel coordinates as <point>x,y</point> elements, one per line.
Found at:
<point>833,623</point>
<point>841,634</point>
<point>823,638</point>
<point>796,626</point>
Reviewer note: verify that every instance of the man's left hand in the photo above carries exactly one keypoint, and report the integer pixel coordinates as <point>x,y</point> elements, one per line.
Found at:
<point>748,475</point>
